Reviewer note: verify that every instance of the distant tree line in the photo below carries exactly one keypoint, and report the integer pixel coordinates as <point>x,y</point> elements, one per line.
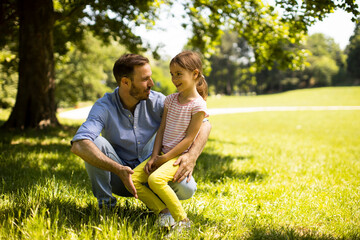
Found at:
<point>84,73</point>
<point>233,71</point>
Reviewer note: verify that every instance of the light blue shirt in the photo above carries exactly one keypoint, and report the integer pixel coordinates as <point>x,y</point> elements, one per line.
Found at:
<point>130,135</point>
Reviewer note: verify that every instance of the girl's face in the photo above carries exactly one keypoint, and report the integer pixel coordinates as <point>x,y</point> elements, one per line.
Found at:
<point>183,79</point>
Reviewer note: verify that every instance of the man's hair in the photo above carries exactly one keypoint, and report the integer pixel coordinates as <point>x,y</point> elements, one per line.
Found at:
<point>124,66</point>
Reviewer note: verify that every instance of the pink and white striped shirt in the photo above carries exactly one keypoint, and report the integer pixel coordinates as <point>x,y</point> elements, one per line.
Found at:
<point>178,119</point>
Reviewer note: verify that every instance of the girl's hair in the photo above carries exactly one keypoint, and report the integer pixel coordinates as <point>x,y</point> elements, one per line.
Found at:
<point>191,61</point>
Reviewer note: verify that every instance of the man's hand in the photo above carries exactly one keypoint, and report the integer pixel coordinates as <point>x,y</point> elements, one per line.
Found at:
<point>186,167</point>
<point>125,176</point>
<point>187,161</point>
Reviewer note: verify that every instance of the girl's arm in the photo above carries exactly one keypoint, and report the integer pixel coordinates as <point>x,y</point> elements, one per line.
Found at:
<point>157,143</point>
<point>191,132</point>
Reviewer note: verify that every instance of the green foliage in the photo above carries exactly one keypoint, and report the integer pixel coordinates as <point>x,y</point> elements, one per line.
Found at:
<point>305,13</point>
<point>86,74</point>
<point>161,77</point>
<point>108,20</point>
<point>280,175</point>
<point>265,30</point>
<point>353,50</point>
<point>8,78</point>
<point>325,61</point>
<point>324,68</point>
<point>83,73</point>
<point>274,39</point>
<point>231,66</point>
<point>321,45</point>
<point>258,23</point>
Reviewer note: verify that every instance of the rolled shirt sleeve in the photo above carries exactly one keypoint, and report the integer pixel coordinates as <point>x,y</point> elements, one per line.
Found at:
<point>93,125</point>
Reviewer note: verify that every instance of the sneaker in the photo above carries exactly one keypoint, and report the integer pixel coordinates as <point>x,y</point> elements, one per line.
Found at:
<point>182,225</point>
<point>165,220</point>
<point>178,229</point>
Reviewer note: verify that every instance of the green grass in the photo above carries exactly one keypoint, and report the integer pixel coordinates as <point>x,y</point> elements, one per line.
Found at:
<point>327,96</point>
<point>264,175</point>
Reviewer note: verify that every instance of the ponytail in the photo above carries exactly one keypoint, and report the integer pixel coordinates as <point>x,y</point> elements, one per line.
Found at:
<point>202,87</point>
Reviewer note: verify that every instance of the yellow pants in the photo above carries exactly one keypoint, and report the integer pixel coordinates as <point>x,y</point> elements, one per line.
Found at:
<point>160,195</point>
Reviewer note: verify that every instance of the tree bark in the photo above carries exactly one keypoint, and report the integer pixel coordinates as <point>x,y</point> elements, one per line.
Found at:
<point>35,101</point>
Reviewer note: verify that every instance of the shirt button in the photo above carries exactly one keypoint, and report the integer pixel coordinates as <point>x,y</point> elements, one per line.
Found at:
<point>138,142</point>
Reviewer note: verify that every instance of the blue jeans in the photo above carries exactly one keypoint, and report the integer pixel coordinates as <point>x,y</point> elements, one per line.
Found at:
<point>105,183</point>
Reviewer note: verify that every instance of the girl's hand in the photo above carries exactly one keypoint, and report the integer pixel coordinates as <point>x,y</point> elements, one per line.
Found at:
<point>159,160</point>
<point>154,163</point>
<point>148,166</point>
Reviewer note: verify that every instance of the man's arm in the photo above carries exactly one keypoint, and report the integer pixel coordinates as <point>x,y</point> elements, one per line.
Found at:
<point>187,161</point>
<point>90,153</point>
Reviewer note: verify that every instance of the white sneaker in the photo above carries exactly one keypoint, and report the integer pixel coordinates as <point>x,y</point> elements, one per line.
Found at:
<point>165,220</point>
<point>182,225</point>
<point>178,229</point>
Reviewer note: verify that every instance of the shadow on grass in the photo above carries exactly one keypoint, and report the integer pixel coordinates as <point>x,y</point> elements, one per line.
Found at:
<point>30,157</point>
<point>212,167</point>
<point>253,231</point>
<point>67,214</point>
<point>217,141</point>
<point>286,233</point>
<point>64,131</point>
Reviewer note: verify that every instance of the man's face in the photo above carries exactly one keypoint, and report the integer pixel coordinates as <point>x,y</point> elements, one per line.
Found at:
<point>141,83</point>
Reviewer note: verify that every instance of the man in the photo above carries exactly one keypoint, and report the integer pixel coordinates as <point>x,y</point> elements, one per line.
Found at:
<point>128,119</point>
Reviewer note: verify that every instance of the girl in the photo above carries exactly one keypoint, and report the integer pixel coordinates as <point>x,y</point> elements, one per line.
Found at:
<point>183,115</point>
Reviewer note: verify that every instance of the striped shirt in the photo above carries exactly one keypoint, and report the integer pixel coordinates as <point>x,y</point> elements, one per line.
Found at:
<point>178,119</point>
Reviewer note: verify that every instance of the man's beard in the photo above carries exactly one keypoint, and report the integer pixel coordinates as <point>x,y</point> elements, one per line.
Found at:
<point>137,93</point>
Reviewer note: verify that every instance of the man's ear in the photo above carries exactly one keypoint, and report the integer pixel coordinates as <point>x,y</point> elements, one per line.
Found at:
<point>125,81</point>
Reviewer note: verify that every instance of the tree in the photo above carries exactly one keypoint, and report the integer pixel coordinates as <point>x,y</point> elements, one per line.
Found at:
<point>325,61</point>
<point>161,76</point>
<point>8,78</point>
<point>44,26</point>
<point>85,73</point>
<point>230,66</point>
<point>323,69</point>
<point>353,51</point>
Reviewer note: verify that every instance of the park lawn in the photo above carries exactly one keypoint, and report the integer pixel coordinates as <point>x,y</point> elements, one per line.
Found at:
<point>326,96</point>
<point>264,175</point>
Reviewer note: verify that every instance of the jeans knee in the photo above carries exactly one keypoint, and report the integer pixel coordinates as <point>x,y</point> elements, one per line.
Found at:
<point>184,190</point>
<point>101,143</point>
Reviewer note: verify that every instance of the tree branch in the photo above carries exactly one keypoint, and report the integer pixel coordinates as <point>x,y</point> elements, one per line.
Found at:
<point>65,16</point>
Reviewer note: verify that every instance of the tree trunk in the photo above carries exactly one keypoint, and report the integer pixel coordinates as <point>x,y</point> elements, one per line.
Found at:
<point>35,101</point>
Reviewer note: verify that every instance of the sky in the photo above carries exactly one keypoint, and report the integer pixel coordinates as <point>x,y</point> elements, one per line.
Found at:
<point>173,36</point>
<point>337,25</point>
